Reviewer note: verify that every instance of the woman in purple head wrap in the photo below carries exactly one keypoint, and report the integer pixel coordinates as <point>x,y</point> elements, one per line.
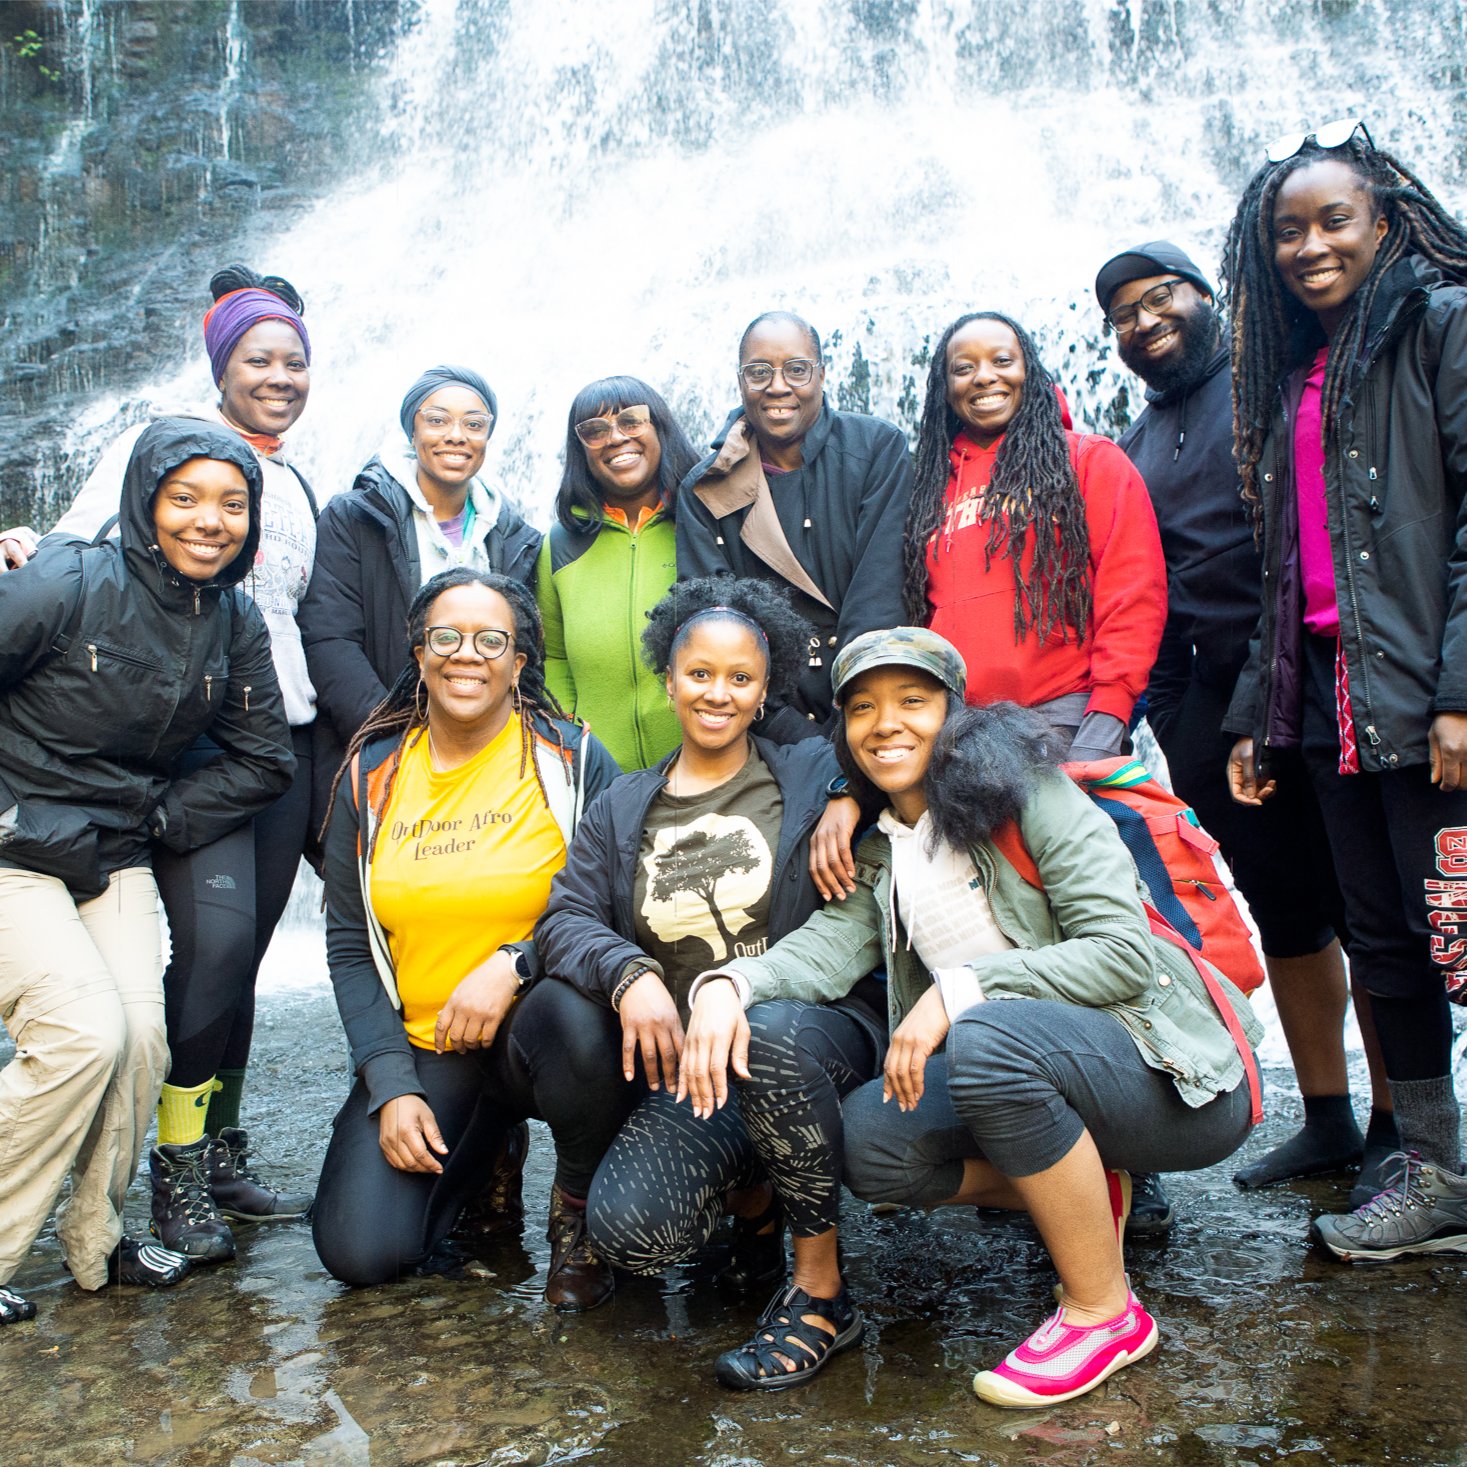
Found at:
<point>225,899</point>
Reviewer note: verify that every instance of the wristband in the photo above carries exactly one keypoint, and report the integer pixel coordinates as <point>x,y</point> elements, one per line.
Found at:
<point>620,990</point>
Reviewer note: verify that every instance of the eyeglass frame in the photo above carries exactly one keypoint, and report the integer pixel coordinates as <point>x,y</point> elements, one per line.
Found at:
<point>782,370</point>
<point>614,420</point>
<point>1289,144</point>
<point>460,423</point>
<point>1142,300</point>
<point>482,632</point>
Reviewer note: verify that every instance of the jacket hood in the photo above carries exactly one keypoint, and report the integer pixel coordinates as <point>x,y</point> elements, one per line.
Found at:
<point>162,447</point>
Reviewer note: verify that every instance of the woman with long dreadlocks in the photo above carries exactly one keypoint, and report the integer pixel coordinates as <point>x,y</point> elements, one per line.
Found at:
<point>1350,407</point>
<point>1032,549</point>
<point>452,812</point>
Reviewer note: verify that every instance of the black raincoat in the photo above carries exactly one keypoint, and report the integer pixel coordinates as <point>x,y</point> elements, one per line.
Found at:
<point>111,665</point>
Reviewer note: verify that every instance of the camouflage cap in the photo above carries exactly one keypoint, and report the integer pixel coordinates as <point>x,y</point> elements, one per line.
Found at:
<point>901,647</point>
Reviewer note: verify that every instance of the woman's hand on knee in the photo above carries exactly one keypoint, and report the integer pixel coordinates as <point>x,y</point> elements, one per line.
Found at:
<point>1243,782</point>
<point>718,1035</point>
<point>914,1043</point>
<point>649,1023</point>
<point>409,1135</point>
<point>476,1008</point>
<point>832,867</point>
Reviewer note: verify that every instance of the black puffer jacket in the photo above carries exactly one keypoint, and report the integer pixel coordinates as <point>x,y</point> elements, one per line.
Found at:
<point>588,933</point>
<point>1396,490</point>
<point>111,664</point>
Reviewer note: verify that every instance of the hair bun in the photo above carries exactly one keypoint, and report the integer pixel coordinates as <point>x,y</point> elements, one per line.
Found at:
<point>241,277</point>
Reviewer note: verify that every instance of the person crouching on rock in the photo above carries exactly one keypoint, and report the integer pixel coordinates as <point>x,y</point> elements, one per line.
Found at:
<point>114,658</point>
<point>451,815</point>
<point>1042,1040</point>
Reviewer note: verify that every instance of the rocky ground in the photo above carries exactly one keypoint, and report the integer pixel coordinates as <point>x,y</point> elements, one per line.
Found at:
<point>1270,1351</point>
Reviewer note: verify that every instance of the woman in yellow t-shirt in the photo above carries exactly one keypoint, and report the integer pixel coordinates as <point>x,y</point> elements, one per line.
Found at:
<point>451,815</point>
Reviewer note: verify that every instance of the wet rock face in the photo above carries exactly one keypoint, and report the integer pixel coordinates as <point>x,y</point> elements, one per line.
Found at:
<point>146,144</point>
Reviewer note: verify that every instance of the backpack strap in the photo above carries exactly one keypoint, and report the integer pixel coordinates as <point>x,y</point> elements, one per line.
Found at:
<point>1160,927</point>
<point>1009,842</point>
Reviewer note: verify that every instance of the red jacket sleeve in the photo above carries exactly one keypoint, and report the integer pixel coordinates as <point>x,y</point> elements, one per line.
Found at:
<point>1128,571</point>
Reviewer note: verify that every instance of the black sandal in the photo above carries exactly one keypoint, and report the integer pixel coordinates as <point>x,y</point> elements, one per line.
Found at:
<point>784,1338</point>
<point>14,1307</point>
<point>756,1257</point>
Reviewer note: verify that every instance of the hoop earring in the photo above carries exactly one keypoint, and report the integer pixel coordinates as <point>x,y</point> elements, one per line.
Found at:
<point>759,714</point>
<point>420,702</point>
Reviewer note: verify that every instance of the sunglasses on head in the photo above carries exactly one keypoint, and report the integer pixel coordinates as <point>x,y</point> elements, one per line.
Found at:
<point>1331,135</point>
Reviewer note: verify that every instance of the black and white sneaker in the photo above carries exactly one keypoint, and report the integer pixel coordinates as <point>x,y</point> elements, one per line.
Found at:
<point>149,1264</point>
<point>14,1307</point>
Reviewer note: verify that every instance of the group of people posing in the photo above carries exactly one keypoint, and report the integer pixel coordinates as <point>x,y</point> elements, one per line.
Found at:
<point>722,828</point>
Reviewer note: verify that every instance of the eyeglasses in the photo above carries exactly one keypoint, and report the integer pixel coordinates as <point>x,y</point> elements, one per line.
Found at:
<point>632,422</point>
<point>489,643</point>
<point>1332,135</point>
<point>796,373</point>
<point>1122,320</point>
<point>471,425</point>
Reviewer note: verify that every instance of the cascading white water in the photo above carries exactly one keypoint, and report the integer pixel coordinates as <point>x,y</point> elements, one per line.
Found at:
<point>567,191</point>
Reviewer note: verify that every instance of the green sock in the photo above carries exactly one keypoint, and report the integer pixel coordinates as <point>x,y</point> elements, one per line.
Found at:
<point>181,1113</point>
<point>224,1107</point>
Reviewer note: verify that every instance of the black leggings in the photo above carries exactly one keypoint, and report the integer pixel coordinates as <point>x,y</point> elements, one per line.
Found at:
<point>223,903</point>
<point>557,1057</point>
<point>660,1192</point>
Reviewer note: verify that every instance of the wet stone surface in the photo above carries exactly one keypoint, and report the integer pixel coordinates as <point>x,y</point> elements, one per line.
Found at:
<point>1270,1351</point>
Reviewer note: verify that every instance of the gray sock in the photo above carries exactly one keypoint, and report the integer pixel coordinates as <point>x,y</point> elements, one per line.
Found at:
<point>1428,1118</point>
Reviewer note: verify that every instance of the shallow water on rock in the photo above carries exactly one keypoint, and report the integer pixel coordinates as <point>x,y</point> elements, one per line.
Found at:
<point>1270,1351</point>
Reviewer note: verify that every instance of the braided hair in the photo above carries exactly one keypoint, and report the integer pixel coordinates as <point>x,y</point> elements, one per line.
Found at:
<point>401,712</point>
<point>1273,332</point>
<point>1033,485</point>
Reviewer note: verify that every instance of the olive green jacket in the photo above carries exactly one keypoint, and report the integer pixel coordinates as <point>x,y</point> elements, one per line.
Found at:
<point>1084,940</point>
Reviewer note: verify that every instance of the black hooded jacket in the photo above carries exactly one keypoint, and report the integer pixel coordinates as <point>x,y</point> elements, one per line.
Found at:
<point>354,616</point>
<point>1183,446</point>
<point>111,665</point>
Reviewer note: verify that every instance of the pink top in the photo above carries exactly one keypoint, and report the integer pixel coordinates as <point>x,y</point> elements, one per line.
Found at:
<point>1316,560</point>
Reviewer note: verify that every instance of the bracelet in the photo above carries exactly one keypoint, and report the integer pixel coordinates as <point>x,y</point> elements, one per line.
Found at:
<point>619,991</point>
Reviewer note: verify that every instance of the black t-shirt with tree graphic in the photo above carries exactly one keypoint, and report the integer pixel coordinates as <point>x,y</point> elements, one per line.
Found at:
<point>703,875</point>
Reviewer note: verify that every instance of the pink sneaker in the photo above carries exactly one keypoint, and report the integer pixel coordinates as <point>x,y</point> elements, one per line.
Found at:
<point>1060,1361</point>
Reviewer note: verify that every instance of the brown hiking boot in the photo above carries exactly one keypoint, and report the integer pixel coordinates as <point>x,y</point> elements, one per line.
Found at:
<point>578,1279</point>
<point>500,1207</point>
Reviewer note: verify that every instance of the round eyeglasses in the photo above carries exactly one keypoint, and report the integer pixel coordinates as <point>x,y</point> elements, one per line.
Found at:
<point>488,643</point>
<point>797,372</point>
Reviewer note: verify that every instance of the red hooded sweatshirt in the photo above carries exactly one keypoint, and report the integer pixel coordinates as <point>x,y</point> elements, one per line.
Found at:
<point>973,607</point>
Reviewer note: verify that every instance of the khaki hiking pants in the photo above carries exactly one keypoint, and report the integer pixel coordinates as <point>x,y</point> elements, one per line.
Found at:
<point>81,992</point>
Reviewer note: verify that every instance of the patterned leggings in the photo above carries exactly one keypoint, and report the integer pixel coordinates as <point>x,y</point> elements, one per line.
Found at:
<point>660,1191</point>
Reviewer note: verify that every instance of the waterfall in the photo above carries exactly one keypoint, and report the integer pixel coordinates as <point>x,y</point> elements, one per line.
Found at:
<point>561,192</point>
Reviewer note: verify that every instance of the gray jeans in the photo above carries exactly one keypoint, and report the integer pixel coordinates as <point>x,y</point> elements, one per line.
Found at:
<point>1019,1082</point>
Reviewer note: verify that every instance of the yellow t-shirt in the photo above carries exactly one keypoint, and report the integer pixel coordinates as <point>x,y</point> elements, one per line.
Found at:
<point>463,864</point>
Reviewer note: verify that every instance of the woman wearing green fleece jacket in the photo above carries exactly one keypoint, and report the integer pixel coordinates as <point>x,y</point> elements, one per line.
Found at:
<point>609,560</point>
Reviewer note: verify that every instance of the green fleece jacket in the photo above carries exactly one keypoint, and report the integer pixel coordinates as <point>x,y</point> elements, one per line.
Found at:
<point>1084,939</point>
<point>595,592</point>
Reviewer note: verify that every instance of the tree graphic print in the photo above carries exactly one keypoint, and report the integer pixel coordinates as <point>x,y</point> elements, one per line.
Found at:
<point>697,864</point>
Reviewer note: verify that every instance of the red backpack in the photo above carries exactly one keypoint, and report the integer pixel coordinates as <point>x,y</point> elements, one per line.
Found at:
<point>1173,854</point>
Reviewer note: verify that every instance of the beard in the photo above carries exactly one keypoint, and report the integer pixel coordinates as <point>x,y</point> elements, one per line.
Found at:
<point>1201,333</point>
